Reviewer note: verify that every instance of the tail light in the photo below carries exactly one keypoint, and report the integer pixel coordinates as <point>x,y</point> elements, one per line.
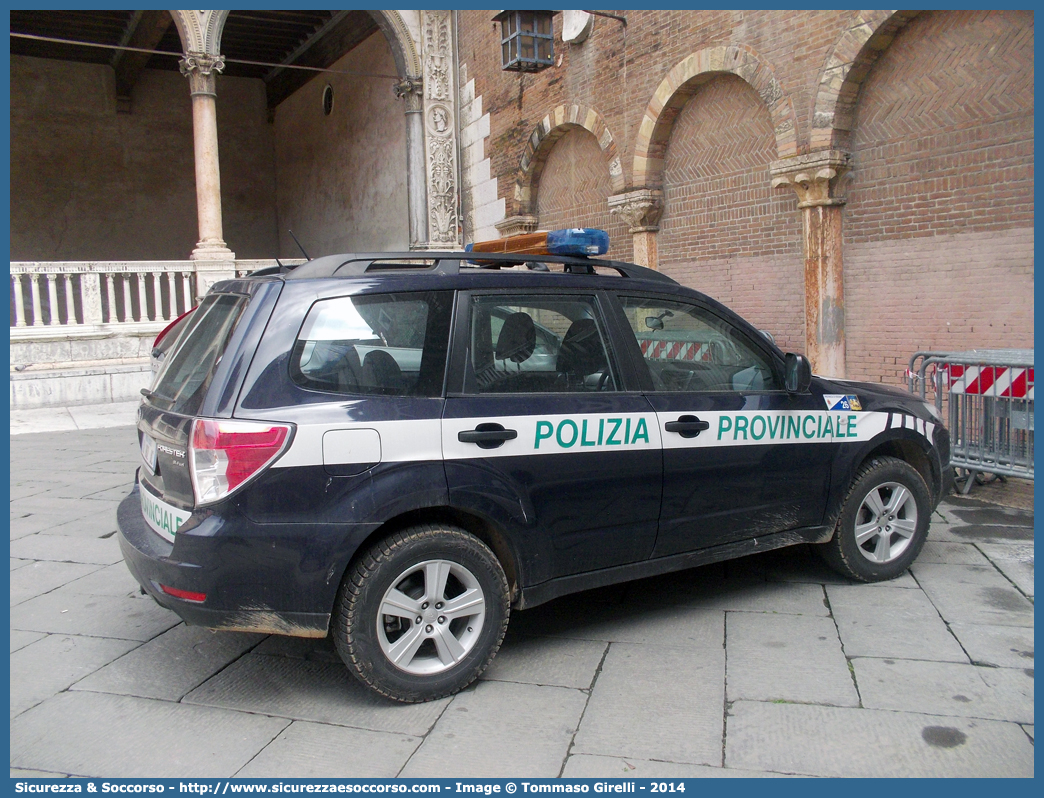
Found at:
<point>227,454</point>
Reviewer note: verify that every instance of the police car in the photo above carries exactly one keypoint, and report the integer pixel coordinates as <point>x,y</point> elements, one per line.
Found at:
<point>399,449</point>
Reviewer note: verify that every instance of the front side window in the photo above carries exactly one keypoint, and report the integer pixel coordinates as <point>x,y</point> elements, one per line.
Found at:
<point>537,344</point>
<point>688,348</point>
<point>382,344</point>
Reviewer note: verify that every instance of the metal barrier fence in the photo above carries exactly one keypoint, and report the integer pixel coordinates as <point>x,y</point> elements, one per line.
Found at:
<point>988,399</point>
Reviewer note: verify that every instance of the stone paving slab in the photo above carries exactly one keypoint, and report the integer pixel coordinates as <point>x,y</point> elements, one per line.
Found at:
<point>1028,730</point>
<point>48,666</point>
<point>23,525</point>
<point>22,639</point>
<point>116,494</point>
<point>954,553</point>
<point>318,691</point>
<point>320,751</point>
<point>786,658</point>
<point>876,621</point>
<point>170,666</point>
<point>62,548</point>
<point>43,577</point>
<point>18,773</point>
<point>123,737</point>
<point>558,662</point>
<point>632,714</point>
<point>63,612</point>
<point>941,688</point>
<point>580,619</point>
<point>1015,561</point>
<point>868,743</point>
<point>585,766</point>
<point>973,594</point>
<point>96,525</point>
<point>94,485</point>
<point>501,730</point>
<point>112,580</point>
<point>68,508</point>
<point>985,533</point>
<point>795,598</point>
<point>17,563</point>
<point>969,511</point>
<point>999,646</point>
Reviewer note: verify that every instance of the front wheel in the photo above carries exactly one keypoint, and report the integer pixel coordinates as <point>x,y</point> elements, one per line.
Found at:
<point>422,613</point>
<point>883,523</point>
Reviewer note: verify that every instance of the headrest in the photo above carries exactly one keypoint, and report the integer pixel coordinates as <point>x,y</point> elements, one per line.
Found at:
<point>517,338</point>
<point>582,351</point>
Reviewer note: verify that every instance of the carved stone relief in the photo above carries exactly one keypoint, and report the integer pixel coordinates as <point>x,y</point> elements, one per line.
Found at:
<point>440,130</point>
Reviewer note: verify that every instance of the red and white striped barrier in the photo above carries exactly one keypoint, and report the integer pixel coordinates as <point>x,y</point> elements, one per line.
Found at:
<point>676,350</point>
<point>994,381</point>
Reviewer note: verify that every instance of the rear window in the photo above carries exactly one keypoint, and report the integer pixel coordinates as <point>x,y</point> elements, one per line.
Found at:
<point>183,384</point>
<point>383,344</point>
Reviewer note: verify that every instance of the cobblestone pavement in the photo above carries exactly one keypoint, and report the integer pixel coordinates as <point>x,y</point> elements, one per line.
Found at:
<point>765,666</point>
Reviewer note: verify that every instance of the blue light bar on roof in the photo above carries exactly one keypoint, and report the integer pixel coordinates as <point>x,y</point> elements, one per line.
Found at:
<point>578,241</point>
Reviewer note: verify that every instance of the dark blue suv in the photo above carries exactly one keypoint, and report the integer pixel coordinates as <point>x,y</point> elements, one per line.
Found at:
<point>398,449</point>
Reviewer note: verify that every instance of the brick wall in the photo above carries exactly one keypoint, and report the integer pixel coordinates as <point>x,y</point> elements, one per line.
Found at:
<point>574,188</point>
<point>938,226</point>
<point>940,202</point>
<point>724,231</point>
<point>617,70</point>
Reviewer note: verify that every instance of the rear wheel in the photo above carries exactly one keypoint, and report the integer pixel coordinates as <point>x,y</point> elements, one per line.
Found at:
<point>422,613</point>
<point>883,523</point>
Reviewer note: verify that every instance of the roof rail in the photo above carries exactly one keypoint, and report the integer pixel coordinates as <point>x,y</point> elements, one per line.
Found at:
<point>357,265</point>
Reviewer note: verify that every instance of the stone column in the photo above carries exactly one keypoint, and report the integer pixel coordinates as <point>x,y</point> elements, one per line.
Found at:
<point>200,69</point>
<point>411,91</point>
<point>815,178</point>
<point>641,209</point>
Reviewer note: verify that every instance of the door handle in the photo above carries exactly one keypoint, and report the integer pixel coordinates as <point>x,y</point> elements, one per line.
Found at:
<point>687,426</point>
<point>487,436</point>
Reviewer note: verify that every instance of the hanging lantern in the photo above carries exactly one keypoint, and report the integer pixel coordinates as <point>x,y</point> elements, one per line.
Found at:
<point>526,40</point>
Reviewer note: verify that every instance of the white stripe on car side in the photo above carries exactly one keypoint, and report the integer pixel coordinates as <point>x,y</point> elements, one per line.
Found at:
<point>401,441</point>
<point>436,439</point>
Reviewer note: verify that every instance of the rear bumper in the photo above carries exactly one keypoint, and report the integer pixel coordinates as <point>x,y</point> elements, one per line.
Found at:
<point>277,579</point>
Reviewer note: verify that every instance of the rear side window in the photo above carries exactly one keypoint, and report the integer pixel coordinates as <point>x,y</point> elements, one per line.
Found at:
<point>183,384</point>
<point>378,344</point>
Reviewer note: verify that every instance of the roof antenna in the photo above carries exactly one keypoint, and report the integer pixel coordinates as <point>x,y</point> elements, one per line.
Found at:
<point>298,243</point>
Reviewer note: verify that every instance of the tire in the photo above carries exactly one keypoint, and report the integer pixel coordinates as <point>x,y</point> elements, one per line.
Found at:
<point>422,613</point>
<point>883,522</point>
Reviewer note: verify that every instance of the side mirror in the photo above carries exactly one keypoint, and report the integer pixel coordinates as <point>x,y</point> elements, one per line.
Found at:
<point>654,322</point>
<point>798,373</point>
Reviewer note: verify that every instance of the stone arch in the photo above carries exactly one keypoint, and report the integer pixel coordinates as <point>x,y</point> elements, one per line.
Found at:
<point>200,31</point>
<point>549,130</point>
<point>683,81</point>
<point>401,41</point>
<point>858,47</point>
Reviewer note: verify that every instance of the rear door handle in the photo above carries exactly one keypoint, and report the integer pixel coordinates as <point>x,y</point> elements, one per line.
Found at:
<point>487,436</point>
<point>687,426</point>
